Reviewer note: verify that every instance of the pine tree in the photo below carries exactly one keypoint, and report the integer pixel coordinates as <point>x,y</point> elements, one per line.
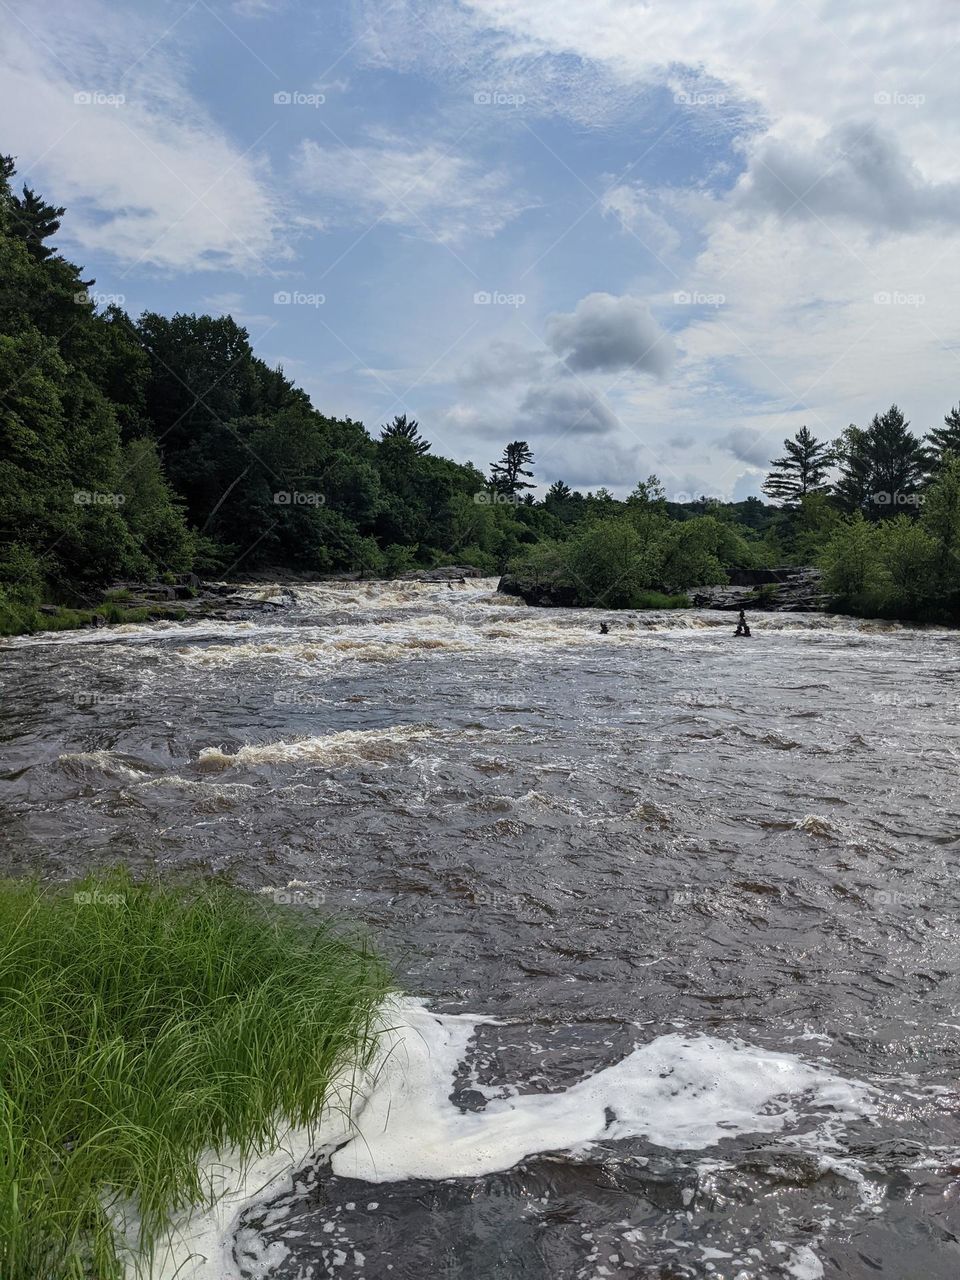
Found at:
<point>883,468</point>
<point>946,439</point>
<point>404,432</point>
<point>506,473</point>
<point>853,458</point>
<point>33,221</point>
<point>801,470</point>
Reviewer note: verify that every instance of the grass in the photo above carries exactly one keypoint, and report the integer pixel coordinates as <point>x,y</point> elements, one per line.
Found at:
<point>26,620</point>
<point>141,1026</point>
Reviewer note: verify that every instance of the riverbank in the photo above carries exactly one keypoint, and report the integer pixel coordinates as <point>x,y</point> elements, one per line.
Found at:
<point>134,603</point>
<point>188,598</point>
<point>142,1027</point>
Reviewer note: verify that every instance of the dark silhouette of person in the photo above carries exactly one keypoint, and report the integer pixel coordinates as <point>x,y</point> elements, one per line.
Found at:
<point>742,627</point>
<point>604,629</point>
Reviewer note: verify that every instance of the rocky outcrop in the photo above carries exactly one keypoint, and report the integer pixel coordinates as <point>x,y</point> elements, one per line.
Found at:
<point>192,598</point>
<point>538,591</point>
<point>442,573</point>
<point>787,590</point>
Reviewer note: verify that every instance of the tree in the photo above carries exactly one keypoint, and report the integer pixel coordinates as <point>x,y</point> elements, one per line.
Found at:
<point>882,468</point>
<point>505,474</point>
<point>33,221</point>
<point>801,470</point>
<point>648,493</point>
<point>941,519</point>
<point>851,560</point>
<point>406,434</point>
<point>946,439</point>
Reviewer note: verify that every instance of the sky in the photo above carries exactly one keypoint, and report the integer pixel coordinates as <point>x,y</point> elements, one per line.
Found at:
<point>646,236</point>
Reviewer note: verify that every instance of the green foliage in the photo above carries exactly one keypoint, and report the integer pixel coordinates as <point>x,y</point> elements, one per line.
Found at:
<point>883,468</point>
<point>141,1027</point>
<point>802,470</point>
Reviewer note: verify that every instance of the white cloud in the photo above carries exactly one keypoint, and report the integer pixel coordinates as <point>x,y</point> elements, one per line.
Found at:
<point>150,179</point>
<point>629,204</point>
<point>428,190</point>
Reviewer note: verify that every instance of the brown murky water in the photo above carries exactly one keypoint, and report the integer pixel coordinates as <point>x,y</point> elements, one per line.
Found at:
<point>599,840</point>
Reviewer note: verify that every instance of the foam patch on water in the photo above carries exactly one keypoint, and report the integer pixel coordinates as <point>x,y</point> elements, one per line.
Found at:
<point>80,764</point>
<point>682,1092</point>
<point>351,746</point>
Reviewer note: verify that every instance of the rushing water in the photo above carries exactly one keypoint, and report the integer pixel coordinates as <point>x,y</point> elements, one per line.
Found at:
<point>662,870</point>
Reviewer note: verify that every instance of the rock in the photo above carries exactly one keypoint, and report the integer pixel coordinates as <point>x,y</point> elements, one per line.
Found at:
<point>545,594</point>
<point>442,573</point>
<point>786,590</point>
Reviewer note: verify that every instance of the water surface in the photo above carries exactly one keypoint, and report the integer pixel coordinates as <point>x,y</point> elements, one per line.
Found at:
<point>597,841</point>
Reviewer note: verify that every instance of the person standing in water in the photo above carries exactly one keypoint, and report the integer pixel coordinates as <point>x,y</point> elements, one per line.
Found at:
<point>742,627</point>
<point>604,629</point>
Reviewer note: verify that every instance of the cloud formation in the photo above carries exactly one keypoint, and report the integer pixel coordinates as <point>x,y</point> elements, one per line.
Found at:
<point>430,189</point>
<point>748,445</point>
<point>856,171</point>
<point>551,410</point>
<point>607,334</point>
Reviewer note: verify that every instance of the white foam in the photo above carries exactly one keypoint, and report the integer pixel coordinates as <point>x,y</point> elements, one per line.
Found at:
<point>684,1092</point>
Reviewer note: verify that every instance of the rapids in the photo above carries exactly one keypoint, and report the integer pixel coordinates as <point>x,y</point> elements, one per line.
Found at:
<point>683,911</point>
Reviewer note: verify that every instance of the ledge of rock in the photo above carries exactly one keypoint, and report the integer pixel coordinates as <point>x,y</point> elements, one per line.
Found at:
<point>442,573</point>
<point>787,590</point>
<point>548,595</point>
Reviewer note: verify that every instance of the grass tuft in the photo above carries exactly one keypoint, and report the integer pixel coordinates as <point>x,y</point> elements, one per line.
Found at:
<point>142,1026</point>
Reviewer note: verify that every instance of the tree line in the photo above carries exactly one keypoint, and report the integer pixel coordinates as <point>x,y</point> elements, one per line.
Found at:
<point>159,446</point>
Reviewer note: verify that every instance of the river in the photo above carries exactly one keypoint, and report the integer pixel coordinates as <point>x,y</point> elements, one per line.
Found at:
<point>650,874</point>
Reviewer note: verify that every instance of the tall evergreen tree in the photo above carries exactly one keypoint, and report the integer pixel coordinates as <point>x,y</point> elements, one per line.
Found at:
<point>883,468</point>
<point>801,470</point>
<point>506,475</point>
<point>946,439</point>
<point>33,221</point>
<point>405,433</point>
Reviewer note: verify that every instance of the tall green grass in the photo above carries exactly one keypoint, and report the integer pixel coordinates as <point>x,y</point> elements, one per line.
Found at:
<point>141,1026</point>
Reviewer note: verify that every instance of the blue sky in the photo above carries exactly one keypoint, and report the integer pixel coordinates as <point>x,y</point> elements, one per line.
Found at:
<point>646,237</point>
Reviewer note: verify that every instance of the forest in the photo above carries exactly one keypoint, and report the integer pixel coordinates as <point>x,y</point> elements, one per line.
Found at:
<point>152,448</point>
